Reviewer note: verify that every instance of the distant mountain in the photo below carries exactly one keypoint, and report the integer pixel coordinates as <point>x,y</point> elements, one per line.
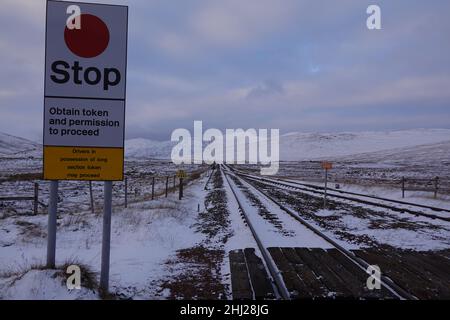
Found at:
<point>144,148</point>
<point>15,146</point>
<point>307,146</point>
<point>438,153</point>
<point>293,146</point>
<point>12,146</point>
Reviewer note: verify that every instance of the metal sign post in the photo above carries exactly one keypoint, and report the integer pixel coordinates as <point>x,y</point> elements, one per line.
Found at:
<point>51,238</point>
<point>126,192</point>
<point>153,188</point>
<point>181,174</point>
<point>91,195</point>
<point>326,166</point>
<point>180,195</point>
<point>36,198</point>
<point>167,186</point>
<point>106,241</point>
<point>325,193</point>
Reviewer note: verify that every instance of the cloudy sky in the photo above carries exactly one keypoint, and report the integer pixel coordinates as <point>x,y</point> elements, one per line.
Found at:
<point>296,65</point>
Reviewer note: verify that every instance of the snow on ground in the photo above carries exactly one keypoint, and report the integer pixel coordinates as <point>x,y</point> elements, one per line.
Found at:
<point>417,197</point>
<point>427,237</point>
<point>377,226</point>
<point>143,237</point>
<point>419,240</point>
<point>294,233</point>
<point>42,285</point>
<point>73,196</point>
<point>396,229</point>
<point>242,236</point>
<point>326,213</point>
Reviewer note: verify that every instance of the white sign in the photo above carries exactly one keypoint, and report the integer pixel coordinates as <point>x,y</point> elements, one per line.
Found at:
<point>84,122</point>
<point>85,84</point>
<point>89,62</point>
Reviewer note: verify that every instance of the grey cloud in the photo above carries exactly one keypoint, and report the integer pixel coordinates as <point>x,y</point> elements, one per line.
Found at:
<point>269,87</point>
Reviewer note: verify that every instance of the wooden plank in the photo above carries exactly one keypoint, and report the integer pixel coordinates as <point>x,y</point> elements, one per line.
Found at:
<point>16,198</point>
<point>439,260</point>
<point>350,280</point>
<point>423,263</point>
<point>345,282</point>
<point>240,282</point>
<point>333,283</point>
<point>315,286</point>
<point>429,278</point>
<point>445,254</point>
<point>406,267</point>
<point>362,276</point>
<point>296,287</point>
<point>261,283</point>
<point>432,268</point>
<point>391,267</point>
<point>388,266</point>
<point>436,277</point>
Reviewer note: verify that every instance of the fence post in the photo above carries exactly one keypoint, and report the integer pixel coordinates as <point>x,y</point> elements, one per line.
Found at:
<point>403,187</point>
<point>153,188</point>
<point>92,196</point>
<point>51,227</point>
<point>436,186</point>
<point>126,192</point>
<point>325,190</point>
<point>36,197</point>
<point>180,195</point>
<point>167,185</point>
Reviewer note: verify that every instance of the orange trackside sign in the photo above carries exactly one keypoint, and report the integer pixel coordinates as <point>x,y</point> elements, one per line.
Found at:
<point>327,165</point>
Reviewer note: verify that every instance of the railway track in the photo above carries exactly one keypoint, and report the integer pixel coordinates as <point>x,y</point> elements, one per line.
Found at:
<point>355,262</point>
<point>277,282</point>
<point>346,195</point>
<point>367,196</point>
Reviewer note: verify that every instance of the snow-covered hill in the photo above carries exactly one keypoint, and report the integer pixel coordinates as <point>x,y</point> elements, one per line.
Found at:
<point>307,146</point>
<point>15,146</point>
<point>12,146</point>
<point>144,148</point>
<point>293,146</point>
<point>437,153</point>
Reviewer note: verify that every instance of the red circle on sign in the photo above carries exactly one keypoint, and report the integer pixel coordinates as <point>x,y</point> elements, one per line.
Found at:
<point>89,41</point>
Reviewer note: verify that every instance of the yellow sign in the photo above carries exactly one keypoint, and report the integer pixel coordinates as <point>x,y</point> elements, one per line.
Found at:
<point>83,163</point>
<point>327,165</point>
<point>181,174</point>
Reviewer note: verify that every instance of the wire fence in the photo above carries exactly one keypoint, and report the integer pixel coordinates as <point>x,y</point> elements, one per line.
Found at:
<point>29,196</point>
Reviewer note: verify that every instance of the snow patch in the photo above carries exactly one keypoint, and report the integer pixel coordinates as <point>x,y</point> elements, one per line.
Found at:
<point>41,285</point>
<point>325,213</point>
